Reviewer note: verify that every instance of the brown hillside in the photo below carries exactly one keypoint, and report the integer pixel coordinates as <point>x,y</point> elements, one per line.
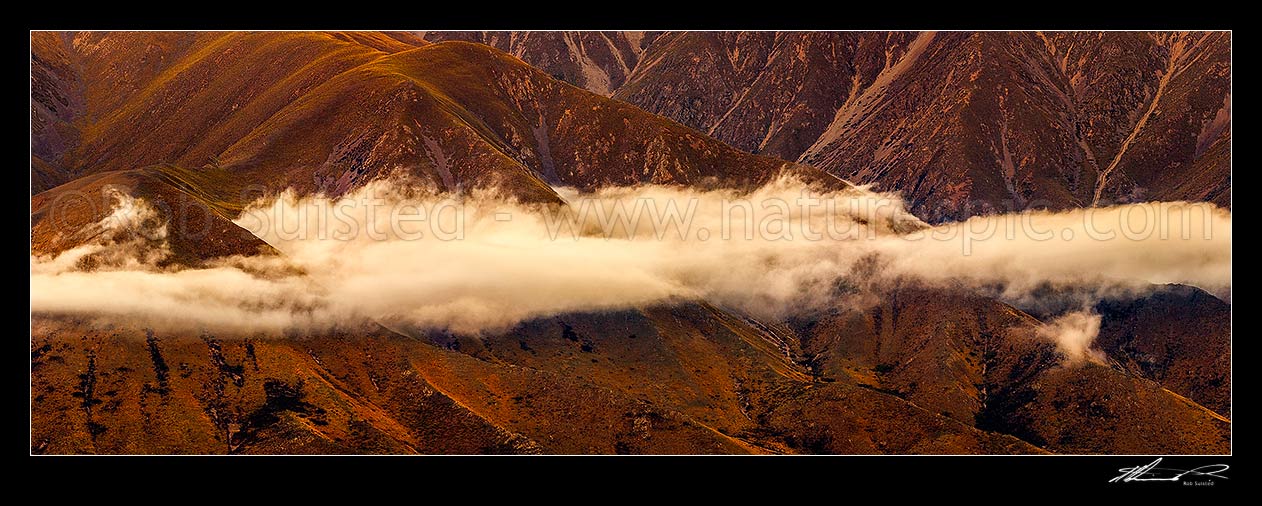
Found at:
<point>195,206</point>
<point>692,380</point>
<point>1179,336</point>
<point>963,123</point>
<point>980,362</point>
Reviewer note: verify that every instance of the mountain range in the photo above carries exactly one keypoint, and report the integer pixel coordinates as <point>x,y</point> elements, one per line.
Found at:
<point>960,124</point>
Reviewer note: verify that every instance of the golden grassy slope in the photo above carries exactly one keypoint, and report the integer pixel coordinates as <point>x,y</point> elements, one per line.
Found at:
<point>311,110</point>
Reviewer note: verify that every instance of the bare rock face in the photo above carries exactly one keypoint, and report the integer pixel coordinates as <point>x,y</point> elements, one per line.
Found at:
<point>963,123</point>
<point>763,92</point>
<point>598,62</point>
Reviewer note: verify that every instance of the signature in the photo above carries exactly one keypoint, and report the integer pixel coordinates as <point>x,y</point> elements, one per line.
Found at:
<point>1151,472</point>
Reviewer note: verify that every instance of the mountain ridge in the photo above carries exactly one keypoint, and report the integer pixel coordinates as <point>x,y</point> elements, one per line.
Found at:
<point>199,125</point>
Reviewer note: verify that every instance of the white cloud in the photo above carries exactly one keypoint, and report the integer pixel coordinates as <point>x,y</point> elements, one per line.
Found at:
<point>1074,332</point>
<point>411,258</point>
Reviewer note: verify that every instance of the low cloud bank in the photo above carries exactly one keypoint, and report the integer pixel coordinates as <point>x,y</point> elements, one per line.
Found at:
<point>409,258</point>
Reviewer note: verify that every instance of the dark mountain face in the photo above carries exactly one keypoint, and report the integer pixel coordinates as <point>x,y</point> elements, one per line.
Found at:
<point>963,123</point>
<point>598,62</point>
<point>763,92</point>
<point>1179,336</point>
<point>980,362</point>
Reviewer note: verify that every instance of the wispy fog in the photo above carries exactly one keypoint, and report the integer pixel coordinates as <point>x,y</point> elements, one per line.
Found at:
<point>411,258</point>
